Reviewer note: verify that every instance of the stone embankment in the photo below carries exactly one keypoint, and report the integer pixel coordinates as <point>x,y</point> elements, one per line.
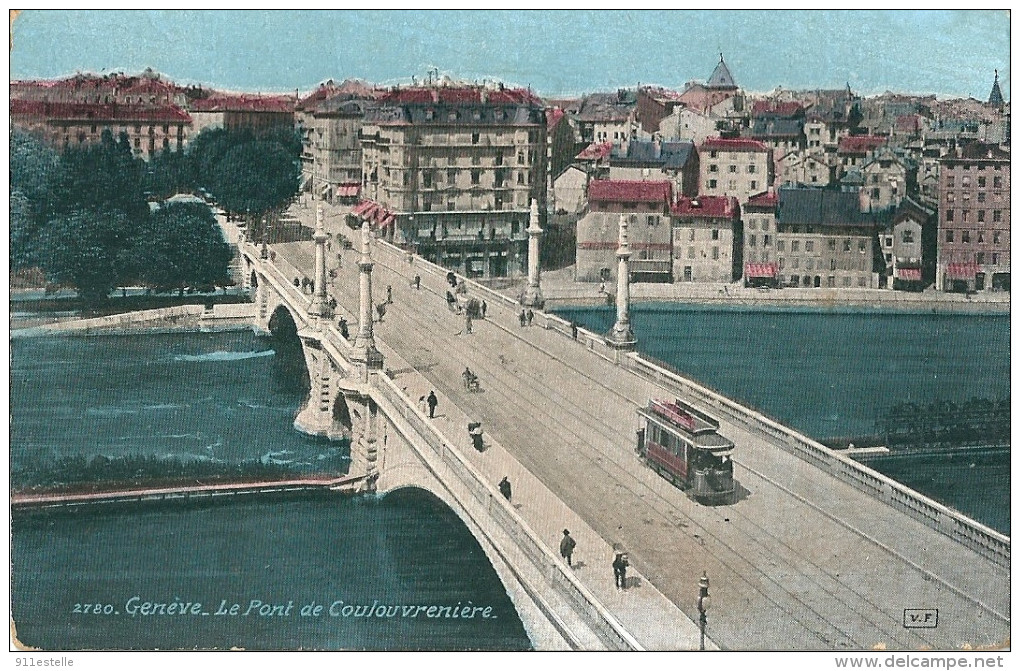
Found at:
<point>177,318</point>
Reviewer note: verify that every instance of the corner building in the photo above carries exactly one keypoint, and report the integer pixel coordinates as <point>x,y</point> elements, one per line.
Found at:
<point>454,169</point>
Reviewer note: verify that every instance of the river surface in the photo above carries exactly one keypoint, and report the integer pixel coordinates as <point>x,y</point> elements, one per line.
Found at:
<point>830,373</point>
<point>225,397</point>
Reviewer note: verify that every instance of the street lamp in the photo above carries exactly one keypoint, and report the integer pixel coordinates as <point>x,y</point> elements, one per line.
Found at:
<point>704,602</point>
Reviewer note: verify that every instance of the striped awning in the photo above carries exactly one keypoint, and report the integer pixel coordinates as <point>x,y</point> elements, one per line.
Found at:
<point>961,271</point>
<point>348,190</point>
<point>760,270</point>
<point>911,274</point>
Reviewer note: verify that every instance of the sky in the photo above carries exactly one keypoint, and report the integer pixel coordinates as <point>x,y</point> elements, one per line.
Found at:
<point>556,52</point>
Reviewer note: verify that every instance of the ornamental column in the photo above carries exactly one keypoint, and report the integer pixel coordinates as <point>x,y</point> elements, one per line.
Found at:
<point>318,307</point>
<point>621,336</point>
<point>533,294</point>
<point>364,345</point>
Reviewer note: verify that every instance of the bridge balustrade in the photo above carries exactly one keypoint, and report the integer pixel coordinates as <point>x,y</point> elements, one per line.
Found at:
<point>501,513</point>
<point>972,534</point>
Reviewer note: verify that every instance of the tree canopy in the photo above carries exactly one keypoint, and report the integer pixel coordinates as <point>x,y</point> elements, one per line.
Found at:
<point>182,246</point>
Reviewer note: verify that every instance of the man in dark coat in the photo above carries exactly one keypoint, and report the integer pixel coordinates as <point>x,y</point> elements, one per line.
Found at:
<point>567,545</point>
<point>620,565</point>
<point>433,402</point>
<point>504,488</point>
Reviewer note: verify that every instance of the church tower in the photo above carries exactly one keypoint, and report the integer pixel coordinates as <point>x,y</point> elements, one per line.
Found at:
<point>721,79</point>
<point>995,97</point>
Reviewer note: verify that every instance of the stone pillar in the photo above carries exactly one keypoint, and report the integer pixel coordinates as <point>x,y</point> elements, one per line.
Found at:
<point>365,351</point>
<point>318,306</point>
<point>533,294</point>
<point>316,417</point>
<point>368,445</point>
<point>621,336</point>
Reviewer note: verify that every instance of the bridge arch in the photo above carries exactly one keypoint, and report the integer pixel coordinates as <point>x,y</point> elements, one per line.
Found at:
<point>290,355</point>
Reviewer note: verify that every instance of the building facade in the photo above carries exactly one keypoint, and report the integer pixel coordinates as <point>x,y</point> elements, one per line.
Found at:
<point>761,267</point>
<point>457,167</point>
<point>737,167</point>
<point>647,204</point>
<point>707,239</point>
<point>823,240</point>
<point>973,233</point>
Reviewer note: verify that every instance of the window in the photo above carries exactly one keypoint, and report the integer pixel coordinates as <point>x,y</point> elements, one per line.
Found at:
<point>451,176</point>
<point>995,237</point>
<point>966,180</point>
<point>690,252</point>
<point>965,236</point>
<point>846,245</point>
<point>476,160</point>
<point>795,262</point>
<point>809,264</point>
<point>520,178</point>
<point>764,224</point>
<point>712,184</point>
<point>795,246</point>
<point>876,193</point>
<point>809,246</point>
<point>750,169</point>
<point>846,281</point>
<point>766,241</point>
<point>713,154</point>
<point>476,176</point>
<point>888,241</point>
<point>754,185</point>
<point>733,168</point>
<point>980,258</point>
<point>751,223</point>
<point>832,281</point>
<point>950,215</point>
<point>832,265</point>
<point>981,197</point>
<point>713,167</point>
<point>996,215</point>
<point>862,246</point>
<point>652,220</point>
<point>862,281</point>
<point>715,233</point>
<point>752,241</point>
<point>733,184</point>
<point>715,253</point>
<point>832,245</point>
<point>981,214</point>
<point>691,238</point>
<point>981,182</point>
<point>907,237</point>
<point>474,138</point>
<point>949,235</point>
<point>997,182</point>
<point>780,245</point>
<point>981,237</point>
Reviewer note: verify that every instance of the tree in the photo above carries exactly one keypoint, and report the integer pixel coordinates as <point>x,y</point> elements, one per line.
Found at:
<point>90,250</point>
<point>33,165</point>
<point>169,173</point>
<point>181,246</point>
<point>254,178</point>
<point>104,176</point>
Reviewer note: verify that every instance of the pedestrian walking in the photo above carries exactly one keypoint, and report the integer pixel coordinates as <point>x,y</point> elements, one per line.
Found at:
<point>422,405</point>
<point>620,565</point>
<point>531,316</point>
<point>432,403</point>
<point>467,321</point>
<point>573,330</point>
<point>389,294</point>
<point>484,308</point>
<point>297,283</point>
<point>602,288</point>
<point>381,309</point>
<point>523,317</point>
<point>344,331</point>
<point>451,279</point>
<point>504,488</point>
<point>417,281</point>
<point>567,545</point>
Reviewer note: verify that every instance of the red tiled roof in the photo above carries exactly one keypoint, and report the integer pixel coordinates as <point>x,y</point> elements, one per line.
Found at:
<point>88,112</point>
<point>553,116</point>
<point>908,123</point>
<point>595,151</point>
<point>733,144</point>
<point>763,199</point>
<point>244,103</point>
<point>860,144</point>
<point>629,191</point>
<point>460,95</point>
<point>725,207</point>
<point>774,108</point>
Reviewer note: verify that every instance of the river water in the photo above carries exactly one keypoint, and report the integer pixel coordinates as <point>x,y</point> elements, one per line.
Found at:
<point>225,397</point>
<point>830,373</point>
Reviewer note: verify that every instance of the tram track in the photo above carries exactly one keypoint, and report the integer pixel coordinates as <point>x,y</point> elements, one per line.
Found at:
<point>612,435</point>
<point>567,420</point>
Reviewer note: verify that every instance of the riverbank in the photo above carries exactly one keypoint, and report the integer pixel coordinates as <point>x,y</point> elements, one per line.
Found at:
<point>560,290</point>
<point>181,318</point>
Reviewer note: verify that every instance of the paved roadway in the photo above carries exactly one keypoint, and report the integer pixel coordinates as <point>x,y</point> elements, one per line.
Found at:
<point>802,561</point>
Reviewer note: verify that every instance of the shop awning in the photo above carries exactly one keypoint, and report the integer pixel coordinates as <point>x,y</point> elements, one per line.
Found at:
<point>911,274</point>
<point>348,190</point>
<point>961,271</point>
<point>760,270</point>
<point>362,207</point>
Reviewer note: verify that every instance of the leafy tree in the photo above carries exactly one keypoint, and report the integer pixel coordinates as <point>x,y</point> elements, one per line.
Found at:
<point>254,178</point>
<point>32,165</point>
<point>181,246</point>
<point>169,173</point>
<point>90,250</point>
<point>103,176</point>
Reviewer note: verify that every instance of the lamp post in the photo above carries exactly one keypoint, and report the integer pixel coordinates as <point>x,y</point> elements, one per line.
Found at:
<point>704,601</point>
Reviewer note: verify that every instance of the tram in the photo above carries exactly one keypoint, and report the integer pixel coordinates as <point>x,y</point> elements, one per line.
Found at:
<point>684,446</point>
